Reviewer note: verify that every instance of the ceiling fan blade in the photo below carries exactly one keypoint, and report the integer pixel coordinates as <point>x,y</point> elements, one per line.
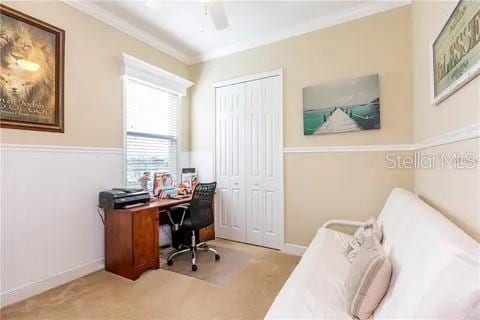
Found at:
<point>217,12</point>
<point>151,3</point>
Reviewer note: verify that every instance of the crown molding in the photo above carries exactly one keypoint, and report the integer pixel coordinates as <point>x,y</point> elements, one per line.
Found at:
<point>360,11</point>
<point>462,134</point>
<point>139,69</point>
<point>103,15</point>
<point>357,12</point>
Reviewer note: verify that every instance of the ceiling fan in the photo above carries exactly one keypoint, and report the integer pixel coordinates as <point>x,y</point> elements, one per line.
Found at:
<point>217,13</point>
<point>213,8</point>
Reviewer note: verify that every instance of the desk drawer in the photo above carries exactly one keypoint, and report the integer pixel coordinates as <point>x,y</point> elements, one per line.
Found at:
<point>207,233</point>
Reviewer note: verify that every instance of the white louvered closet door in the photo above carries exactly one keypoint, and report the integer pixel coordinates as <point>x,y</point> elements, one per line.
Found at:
<point>248,162</point>
<point>230,165</point>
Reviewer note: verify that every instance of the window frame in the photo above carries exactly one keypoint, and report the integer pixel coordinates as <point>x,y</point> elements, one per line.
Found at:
<point>125,80</point>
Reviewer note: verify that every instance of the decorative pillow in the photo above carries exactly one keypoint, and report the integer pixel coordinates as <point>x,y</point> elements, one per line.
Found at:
<point>371,227</point>
<point>368,279</point>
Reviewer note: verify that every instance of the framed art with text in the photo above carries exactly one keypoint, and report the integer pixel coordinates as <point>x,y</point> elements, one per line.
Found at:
<point>31,73</point>
<point>456,51</point>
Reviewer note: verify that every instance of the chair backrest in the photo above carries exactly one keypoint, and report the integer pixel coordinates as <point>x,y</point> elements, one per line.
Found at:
<point>201,206</point>
<point>435,264</point>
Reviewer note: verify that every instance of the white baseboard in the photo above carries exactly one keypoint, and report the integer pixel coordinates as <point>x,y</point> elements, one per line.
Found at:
<point>37,287</point>
<point>294,249</point>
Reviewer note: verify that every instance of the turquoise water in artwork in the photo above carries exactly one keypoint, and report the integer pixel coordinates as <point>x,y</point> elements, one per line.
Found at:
<point>367,116</point>
<point>313,119</point>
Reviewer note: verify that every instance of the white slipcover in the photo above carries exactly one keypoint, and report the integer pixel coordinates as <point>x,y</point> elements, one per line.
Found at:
<point>436,269</point>
<point>436,265</point>
<point>316,288</point>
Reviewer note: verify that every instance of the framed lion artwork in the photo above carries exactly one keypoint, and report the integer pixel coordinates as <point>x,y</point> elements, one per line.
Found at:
<point>31,73</point>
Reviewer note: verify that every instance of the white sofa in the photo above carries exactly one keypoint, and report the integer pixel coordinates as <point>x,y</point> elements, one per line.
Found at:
<point>436,269</point>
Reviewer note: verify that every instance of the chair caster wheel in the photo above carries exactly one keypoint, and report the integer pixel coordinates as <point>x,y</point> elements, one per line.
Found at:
<point>194,267</point>
<point>217,257</point>
<point>169,262</point>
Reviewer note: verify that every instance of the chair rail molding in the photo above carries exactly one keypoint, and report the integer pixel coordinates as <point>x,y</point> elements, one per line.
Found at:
<point>465,133</point>
<point>352,148</point>
<point>48,148</point>
<point>458,135</point>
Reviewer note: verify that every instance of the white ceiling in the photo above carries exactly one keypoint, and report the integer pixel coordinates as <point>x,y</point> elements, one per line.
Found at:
<point>181,28</point>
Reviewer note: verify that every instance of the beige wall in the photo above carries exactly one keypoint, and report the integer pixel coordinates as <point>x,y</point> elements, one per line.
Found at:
<point>317,186</point>
<point>455,192</point>
<point>93,84</point>
<point>326,186</point>
<point>322,186</point>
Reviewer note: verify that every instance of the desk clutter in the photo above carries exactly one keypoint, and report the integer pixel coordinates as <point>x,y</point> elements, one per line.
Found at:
<point>133,216</point>
<point>164,185</point>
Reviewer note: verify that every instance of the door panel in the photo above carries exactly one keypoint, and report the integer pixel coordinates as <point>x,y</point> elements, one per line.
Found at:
<point>272,177</point>
<point>254,222</point>
<point>254,165</point>
<point>223,209</point>
<point>237,202</point>
<point>263,147</point>
<point>270,212</point>
<point>230,118</point>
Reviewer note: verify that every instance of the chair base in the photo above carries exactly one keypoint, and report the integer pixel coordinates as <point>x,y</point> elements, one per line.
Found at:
<point>193,251</point>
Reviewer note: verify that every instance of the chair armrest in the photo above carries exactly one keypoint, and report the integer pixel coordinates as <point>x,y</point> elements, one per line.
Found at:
<point>177,225</point>
<point>343,222</point>
<point>181,206</point>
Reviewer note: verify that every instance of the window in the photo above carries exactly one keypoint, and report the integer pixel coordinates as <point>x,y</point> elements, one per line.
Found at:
<point>151,130</point>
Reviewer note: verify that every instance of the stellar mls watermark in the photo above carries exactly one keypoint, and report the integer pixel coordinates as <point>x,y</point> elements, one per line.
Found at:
<point>455,160</point>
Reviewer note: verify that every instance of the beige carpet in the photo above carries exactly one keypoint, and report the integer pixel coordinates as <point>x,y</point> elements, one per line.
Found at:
<point>161,294</point>
<point>219,272</point>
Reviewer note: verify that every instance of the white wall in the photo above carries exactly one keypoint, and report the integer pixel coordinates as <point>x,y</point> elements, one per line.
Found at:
<point>51,232</point>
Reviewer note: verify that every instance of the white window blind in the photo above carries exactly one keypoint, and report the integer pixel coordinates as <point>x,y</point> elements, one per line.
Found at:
<point>151,125</point>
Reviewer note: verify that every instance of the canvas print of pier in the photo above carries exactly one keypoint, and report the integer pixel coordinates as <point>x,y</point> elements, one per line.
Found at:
<point>342,106</point>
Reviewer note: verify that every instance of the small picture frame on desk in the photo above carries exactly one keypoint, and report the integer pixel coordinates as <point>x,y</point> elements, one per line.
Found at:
<point>161,182</point>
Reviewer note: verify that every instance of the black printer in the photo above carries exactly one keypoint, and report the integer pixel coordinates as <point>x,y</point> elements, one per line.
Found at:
<point>118,198</point>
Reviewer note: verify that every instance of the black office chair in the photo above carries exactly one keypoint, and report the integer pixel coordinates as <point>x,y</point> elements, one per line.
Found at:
<point>197,215</point>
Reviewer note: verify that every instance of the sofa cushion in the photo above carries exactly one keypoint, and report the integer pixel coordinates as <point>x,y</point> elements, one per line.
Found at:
<point>368,279</point>
<point>435,264</point>
<point>371,227</point>
<point>316,288</point>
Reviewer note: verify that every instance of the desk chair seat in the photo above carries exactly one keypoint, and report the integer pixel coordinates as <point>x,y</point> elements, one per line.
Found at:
<point>192,218</point>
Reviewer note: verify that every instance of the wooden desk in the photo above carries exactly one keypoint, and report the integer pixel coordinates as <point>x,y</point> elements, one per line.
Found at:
<point>131,237</point>
<point>161,204</point>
